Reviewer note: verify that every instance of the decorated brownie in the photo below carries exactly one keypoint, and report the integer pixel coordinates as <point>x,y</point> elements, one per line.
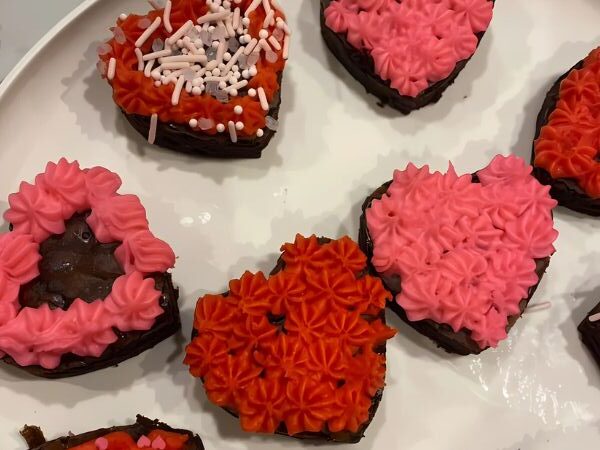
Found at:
<point>201,77</point>
<point>84,284</point>
<point>567,138</point>
<point>302,352</point>
<point>405,52</point>
<point>144,434</point>
<point>590,332</point>
<point>463,255</point>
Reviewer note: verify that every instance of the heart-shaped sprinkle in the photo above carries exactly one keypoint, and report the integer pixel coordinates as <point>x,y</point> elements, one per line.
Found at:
<point>101,443</point>
<point>143,442</point>
<point>159,443</point>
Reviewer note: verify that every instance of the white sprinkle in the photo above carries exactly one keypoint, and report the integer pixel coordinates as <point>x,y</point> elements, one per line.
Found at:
<point>229,27</point>
<point>221,51</point>
<point>174,65</point>
<point>268,19</point>
<point>159,54</point>
<point>179,43</point>
<point>264,45</point>
<point>236,18</point>
<point>233,92</point>
<point>252,92</point>
<point>253,71</point>
<point>238,109</point>
<point>123,16</point>
<point>196,90</point>
<point>239,126</point>
<point>213,17</point>
<point>230,64</point>
<point>148,32</point>
<point>245,21</point>
<point>183,58</point>
<point>112,68</point>
<point>275,43</point>
<point>260,132</point>
<point>149,72</point>
<point>286,46</point>
<point>252,7</point>
<point>152,131</point>
<point>177,91</point>
<point>179,33</point>
<point>220,127</point>
<point>193,123</point>
<point>223,84</point>
<point>167,17</point>
<point>232,132</point>
<point>263,99</point>
<point>157,83</point>
<point>239,84</point>
<point>227,57</point>
<point>216,79</point>
<point>245,73</point>
<point>188,87</point>
<point>263,34</point>
<point>271,56</point>
<point>267,6</point>
<point>250,46</point>
<point>595,318</point>
<point>284,26</point>
<point>140,59</point>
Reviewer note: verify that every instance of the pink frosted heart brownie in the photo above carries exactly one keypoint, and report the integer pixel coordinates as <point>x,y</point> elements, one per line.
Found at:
<point>405,52</point>
<point>463,255</point>
<point>83,282</point>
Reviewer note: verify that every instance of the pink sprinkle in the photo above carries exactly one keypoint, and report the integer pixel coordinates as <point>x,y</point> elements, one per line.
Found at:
<point>143,442</point>
<point>159,443</point>
<point>101,443</point>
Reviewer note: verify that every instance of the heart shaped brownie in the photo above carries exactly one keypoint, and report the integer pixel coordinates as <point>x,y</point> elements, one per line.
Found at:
<point>567,138</point>
<point>463,255</point>
<point>589,329</point>
<point>201,77</point>
<point>301,353</point>
<point>405,52</point>
<point>145,433</point>
<point>83,282</point>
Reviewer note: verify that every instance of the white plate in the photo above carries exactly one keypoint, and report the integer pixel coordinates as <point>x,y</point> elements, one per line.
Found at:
<point>538,390</point>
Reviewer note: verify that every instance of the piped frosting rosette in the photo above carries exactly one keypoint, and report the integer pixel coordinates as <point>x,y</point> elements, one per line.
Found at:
<point>40,336</point>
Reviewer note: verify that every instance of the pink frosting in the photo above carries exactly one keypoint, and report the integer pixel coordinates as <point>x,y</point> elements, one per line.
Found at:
<point>414,43</point>
<point>41,336</point>
<point>465,251</point>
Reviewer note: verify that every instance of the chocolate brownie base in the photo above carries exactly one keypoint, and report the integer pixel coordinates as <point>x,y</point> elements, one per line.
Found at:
<point>143,426</point>
<point>442,334</point>
<point>75,265</point>
<point>361,66</point>
<point>566,191</point>
<point>325,435</point>
<point>181,138</point>
<point>590,334</point>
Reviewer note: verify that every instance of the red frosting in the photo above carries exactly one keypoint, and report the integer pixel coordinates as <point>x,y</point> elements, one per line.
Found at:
<point>120,440</point>
<point>299,348</point>
<point>568,144</point>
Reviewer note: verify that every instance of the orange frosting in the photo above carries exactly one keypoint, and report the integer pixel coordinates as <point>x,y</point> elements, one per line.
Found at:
<point>568,144</point>
<point>136,94</point>
<point>299,348</point>
<point>123,441</point>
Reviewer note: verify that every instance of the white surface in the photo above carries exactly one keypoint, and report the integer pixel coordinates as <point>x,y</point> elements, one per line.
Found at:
<point>539,390</point>
<point>23,23</point>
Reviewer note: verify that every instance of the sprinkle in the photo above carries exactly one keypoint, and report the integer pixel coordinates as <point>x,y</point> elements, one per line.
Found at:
<point>236,18</point>
<point>188,86</point>
<point>286,46</point>
<point>239,84</point>
<point>267,6</point>
<point>239,126</point>
<point>252,7</point>
<point>152,132</point>
<point>264,45</point>
<point>177,91</point>
<point>260,132</point>
<point>140,59</point>
<point>263,99</point>
<point>159,443</point>
<point>148,32</point>
<point>539,307</point>
<point>274,42</point>
<point>148,69</point>
<point>123,16</point>
<point>595,318</point>
<point>232,132</point>
<point>205,124</point>
<point>250,46</point>
<point>196,90</point>
<point>253,71</point>
<point>158,83</point>
<point>220,127</point>
<point>284,26</point>
<point>233,59</point>
<point>179,33</point>
<point>143,442</point>
<point>112,68</point>
<point>229,27</point>
<point>175,65</point>
<point>238,109</point>
<point>193,123</point>
<point>159,54</point>
<point>268,19</point>
<point>263,34</point>
<point>167,17</point>
<point>213,17</point>
<point>211,65</point>
<point>183,58</point>
<point>245,21</point>
<point>271,57</point>
<point>252,92</point>
<point>233,92</point>
<point>221,52</point>
<point>101,443</point>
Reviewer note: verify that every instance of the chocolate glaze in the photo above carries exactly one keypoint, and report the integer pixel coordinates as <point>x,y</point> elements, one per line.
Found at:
<point>590,334</point>
<point>360,65</point>
<point>142,427</point>
<point>461,342</point>
<point>566,191</point>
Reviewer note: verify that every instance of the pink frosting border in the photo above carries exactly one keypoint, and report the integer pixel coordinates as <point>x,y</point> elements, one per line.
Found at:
<point>41,336</point>
<point>465,251</point>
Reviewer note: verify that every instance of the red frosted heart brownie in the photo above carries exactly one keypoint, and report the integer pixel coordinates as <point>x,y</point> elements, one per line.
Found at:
<point>462,254</point>
<point>301,353</point>
<point>201,77</point>
<point>567,140</point>
<point>84,284</point>
<point>405,52</point>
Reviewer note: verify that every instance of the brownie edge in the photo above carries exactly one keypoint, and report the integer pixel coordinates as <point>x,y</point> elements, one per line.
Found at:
<point>590,334</point>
